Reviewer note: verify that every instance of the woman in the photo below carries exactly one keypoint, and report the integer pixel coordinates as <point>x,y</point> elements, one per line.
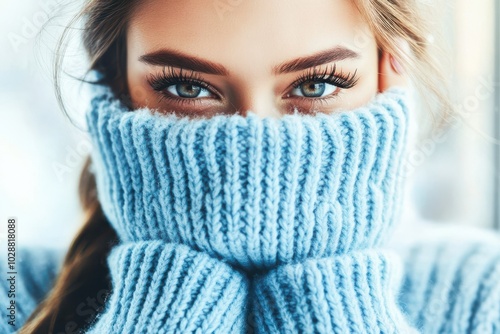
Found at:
<point>245,176</point>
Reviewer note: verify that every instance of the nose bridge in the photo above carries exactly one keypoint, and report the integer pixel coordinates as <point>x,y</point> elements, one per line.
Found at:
<point>259,100</point>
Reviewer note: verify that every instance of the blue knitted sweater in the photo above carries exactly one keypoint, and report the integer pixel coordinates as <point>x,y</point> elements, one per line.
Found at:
<point>235,224</point>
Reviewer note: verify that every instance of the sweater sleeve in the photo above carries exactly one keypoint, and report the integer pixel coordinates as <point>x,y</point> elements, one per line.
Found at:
<point>350,293</point>
<point>452,287</point>
<point>160,287</point>
<point>25,284</point>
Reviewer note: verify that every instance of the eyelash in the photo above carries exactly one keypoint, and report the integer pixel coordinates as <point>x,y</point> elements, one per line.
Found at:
<point>159,82</point>
<point>163,80</point>
<point>329,76</point>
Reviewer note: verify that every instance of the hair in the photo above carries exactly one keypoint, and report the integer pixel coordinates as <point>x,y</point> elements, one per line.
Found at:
<point>104,32</point>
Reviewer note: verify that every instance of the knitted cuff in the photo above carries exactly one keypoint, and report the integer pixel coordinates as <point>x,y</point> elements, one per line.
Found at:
<point>453,286</point>
<point>168,288</point>
<point>343,294</point>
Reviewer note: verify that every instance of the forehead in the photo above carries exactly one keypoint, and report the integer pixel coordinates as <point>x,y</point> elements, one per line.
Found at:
<point>235,31</point>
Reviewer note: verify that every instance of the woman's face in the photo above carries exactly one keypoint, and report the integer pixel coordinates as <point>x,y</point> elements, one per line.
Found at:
<point>201,58</point>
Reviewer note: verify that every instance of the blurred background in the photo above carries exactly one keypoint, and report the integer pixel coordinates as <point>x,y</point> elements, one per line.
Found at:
<point>453,175</point>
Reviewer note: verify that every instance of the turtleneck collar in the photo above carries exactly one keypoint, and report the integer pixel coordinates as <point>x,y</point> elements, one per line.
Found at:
<point>253,191</point>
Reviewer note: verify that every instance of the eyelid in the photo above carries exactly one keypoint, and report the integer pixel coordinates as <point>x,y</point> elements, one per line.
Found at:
<point>160,81</point>
<point>326,75</point>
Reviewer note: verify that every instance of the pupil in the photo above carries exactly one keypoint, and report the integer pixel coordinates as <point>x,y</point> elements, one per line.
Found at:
<point>187,90</point>
<point>312,89</point>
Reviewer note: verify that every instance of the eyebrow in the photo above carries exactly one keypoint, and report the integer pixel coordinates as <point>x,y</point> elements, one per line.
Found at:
<point>174,58</point>
<point>167,57</point>
<point>323,57</point>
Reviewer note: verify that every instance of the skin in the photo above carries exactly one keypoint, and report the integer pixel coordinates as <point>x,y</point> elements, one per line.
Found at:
<point>248,39</point>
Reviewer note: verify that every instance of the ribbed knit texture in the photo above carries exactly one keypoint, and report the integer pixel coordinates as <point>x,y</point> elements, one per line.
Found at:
<point>257,225</point>
<point>448,287</point>
<point>253,191</point>
<point>168,288</point>
<point>453,287</point>
<point>295,203</point>
<point>350,293</point>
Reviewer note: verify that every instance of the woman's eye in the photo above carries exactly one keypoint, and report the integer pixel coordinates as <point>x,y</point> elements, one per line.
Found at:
<point>188,90</point>
<point>314,89</point>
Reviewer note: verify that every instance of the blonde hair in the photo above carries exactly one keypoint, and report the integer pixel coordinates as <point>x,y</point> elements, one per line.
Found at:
<point>393,21</point>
